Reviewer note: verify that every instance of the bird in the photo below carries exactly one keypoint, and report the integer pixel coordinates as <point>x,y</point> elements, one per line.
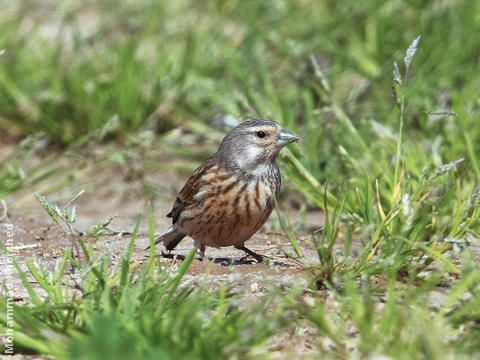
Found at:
<point>232,193</point>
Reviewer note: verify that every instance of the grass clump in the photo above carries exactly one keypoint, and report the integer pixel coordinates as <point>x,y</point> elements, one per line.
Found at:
<point>404,216</point>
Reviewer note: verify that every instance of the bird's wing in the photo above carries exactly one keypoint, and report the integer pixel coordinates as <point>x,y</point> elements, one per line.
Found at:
<point>192,186</point>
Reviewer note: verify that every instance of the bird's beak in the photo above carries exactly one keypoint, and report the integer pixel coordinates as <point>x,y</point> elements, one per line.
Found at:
<point>286,137</point>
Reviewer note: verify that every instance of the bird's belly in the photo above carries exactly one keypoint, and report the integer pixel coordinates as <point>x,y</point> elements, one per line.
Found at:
<point>236,216</point>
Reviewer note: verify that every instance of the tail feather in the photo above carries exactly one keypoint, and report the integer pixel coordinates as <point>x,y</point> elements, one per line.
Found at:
<point>170,238</point>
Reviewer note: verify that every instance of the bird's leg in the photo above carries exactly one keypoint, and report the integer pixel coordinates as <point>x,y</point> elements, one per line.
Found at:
<point>257,257</point>
<point>201,250</point>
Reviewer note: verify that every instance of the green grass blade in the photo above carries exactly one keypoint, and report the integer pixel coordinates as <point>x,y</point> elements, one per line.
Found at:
<point>34,298</point>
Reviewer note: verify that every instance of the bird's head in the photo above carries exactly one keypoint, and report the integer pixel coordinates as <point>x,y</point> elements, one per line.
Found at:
<point>254,143</point>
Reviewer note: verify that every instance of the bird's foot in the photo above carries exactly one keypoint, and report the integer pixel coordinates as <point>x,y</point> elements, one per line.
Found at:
<point>243,261</point>
<point>166,254</point>
<point>256,256</point>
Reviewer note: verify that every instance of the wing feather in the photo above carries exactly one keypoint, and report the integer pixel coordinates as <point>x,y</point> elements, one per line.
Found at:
<point>192,186</point>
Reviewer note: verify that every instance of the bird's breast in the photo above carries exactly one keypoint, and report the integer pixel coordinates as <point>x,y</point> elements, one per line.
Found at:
<point>230,208</point>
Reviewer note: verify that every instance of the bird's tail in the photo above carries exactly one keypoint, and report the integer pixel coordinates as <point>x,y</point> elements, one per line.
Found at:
<point>170,238</point>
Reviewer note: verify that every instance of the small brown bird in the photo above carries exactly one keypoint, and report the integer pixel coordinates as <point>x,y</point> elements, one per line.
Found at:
<point>231,195</point>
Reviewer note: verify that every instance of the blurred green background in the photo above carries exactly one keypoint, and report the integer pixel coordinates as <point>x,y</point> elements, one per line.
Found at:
<point>68,67</point>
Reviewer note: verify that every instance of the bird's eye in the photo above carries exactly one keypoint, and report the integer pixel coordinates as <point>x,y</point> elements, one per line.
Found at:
<point>260,134</point>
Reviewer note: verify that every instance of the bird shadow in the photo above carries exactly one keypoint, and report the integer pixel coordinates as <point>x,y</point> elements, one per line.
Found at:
<point>224,261</point>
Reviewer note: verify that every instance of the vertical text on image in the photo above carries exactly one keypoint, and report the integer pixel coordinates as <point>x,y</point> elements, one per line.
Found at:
<point>8,337</point>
